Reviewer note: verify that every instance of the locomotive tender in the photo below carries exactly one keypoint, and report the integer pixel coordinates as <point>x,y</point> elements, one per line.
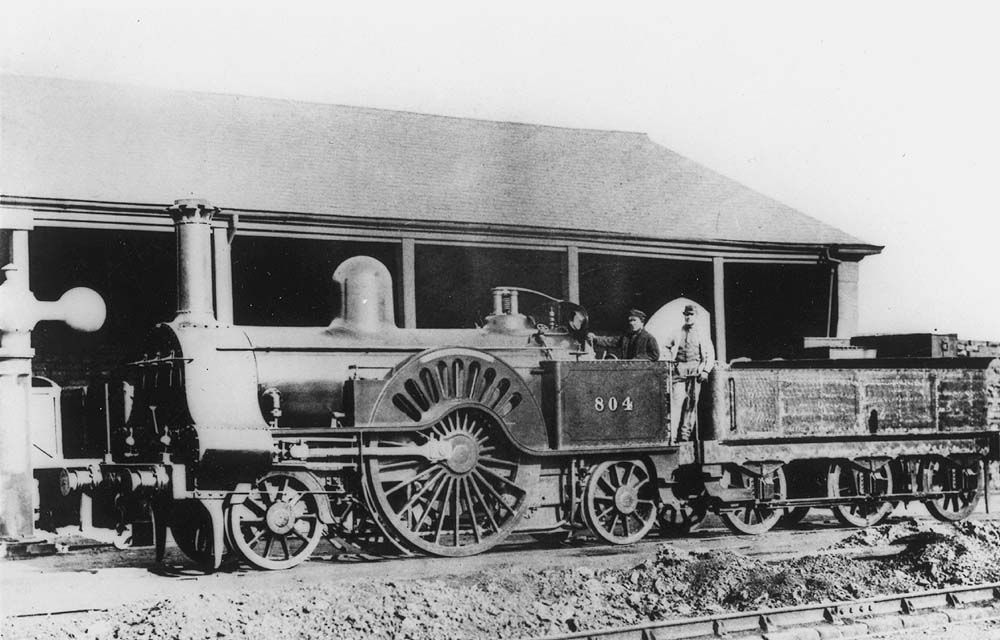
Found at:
<point>261,440</point>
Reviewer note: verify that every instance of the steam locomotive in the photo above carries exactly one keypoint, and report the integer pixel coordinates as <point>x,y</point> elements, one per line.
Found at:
<point>260,441</point>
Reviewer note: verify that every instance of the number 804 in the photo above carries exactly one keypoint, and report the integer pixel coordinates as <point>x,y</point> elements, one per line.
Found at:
<point>611,403</point>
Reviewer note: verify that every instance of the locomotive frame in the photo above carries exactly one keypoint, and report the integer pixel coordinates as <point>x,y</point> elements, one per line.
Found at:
<point>261,441</point>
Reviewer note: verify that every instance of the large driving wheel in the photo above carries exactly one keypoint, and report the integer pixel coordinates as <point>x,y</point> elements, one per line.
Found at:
<point>961,484</point>
<point>277,525</point>
<point>755,516</point>
<point>619,502</point>
<point>850,481</point>
<point>191,529</point>
<point>456,489</point>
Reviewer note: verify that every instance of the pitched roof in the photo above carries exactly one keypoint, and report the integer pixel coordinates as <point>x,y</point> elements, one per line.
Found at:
<point>91,141</point>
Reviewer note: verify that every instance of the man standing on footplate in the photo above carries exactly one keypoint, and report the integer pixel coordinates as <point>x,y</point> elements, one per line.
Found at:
<point>693,357</point>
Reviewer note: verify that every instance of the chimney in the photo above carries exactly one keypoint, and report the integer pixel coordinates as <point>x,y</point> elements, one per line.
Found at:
<point>192,221</point>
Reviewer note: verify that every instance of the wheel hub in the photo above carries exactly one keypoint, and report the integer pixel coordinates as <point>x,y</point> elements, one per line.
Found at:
<point>280,518</point>
<point>464,453</point>
<point>626,499</point>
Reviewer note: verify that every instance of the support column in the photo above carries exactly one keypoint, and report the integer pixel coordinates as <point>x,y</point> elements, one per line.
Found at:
<point>17,482</point>
<point>408,263</point>
<point>223,263</point>
<point>82,309</point>
<point>571,280</point>
<point>719,302</point>
<point>847,299</point>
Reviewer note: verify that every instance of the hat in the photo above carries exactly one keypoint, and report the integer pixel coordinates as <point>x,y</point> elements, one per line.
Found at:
<point>689,309</point>
<point>635,313</point>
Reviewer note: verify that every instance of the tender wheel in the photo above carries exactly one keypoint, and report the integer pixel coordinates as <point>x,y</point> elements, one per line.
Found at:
<point>848,481</point>
<point>458,489</point>
<point>619,501</point>
<point>755,517</point>
<point>962,483</point>
<point>277,526</point>
<point>191,528</point>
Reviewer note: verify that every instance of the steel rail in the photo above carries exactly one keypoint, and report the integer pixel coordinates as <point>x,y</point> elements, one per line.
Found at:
<point>849,619</point>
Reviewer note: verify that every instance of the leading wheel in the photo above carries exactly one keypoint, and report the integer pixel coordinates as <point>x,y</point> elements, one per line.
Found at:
<point>849,481</point>
<point>191,529</point>
<point>619,502</point>
<point>456,489</point>
<point>755,516</point>
<point>277,526</point>
<point>961,484</point>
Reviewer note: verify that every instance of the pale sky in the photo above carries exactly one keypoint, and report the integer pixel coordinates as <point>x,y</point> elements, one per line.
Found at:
<point>882,119</point>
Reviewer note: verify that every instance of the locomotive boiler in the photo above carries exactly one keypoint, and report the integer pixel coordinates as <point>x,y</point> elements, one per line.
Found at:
<point>260,441</point>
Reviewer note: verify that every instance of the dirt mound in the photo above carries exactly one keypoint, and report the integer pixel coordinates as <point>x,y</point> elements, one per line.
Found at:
<point>518,602</point>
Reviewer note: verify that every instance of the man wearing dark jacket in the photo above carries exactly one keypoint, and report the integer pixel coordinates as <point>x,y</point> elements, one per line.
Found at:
<point>636,344</point>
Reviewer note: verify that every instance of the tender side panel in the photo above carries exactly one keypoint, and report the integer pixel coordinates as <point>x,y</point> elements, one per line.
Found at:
<point>798,400</point>
<point>594,405</point>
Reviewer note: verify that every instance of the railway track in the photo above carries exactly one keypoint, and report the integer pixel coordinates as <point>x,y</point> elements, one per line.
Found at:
<point>865,618</point>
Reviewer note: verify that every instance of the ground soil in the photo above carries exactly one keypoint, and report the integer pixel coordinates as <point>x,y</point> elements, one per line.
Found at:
<point>512,600</point>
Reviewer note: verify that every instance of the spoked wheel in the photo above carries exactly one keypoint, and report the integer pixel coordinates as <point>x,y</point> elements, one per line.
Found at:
<point>619,502</point>
<point>277,526</point>
<point>962,485</point>
<point>457,489</point>
<point>755,517</point>
<point>848,481</point>
<point>191,528</point>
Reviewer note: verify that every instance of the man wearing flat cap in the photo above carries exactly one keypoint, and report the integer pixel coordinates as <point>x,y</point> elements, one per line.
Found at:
<point>636,344</point>
<point>693,356</point>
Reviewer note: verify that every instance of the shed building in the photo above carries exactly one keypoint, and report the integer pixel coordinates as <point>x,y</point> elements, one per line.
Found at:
<point>452,206</point>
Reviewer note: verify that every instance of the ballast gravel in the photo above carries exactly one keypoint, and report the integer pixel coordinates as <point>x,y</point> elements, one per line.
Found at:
<point>516,602</point>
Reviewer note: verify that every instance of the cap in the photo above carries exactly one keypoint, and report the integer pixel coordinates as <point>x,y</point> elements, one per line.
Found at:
<point>635,313</point>
<point>689,310</point>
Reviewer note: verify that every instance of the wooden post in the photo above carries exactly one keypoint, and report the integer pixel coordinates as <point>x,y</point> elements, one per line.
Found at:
<point>847,299</point>
<point>571,279</point>
<point>223,264</point>
<point>719,294</point>
<point>408,262</point>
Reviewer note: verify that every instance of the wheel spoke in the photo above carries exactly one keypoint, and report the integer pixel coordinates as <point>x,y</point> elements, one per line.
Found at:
<point>444,512</point>
<point>259,507</point>
<point>456,510</point>
<point>497,461</point>
<point>415,478</point>
<point>486,507</point>
<point>502,479</point>
<point>416,496</point>
<point>628,474</point>
<point>472,510</point>
<point>427,507</point>
<point>257,537</point>
<point>607,483</point>
<point>501,502</point>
